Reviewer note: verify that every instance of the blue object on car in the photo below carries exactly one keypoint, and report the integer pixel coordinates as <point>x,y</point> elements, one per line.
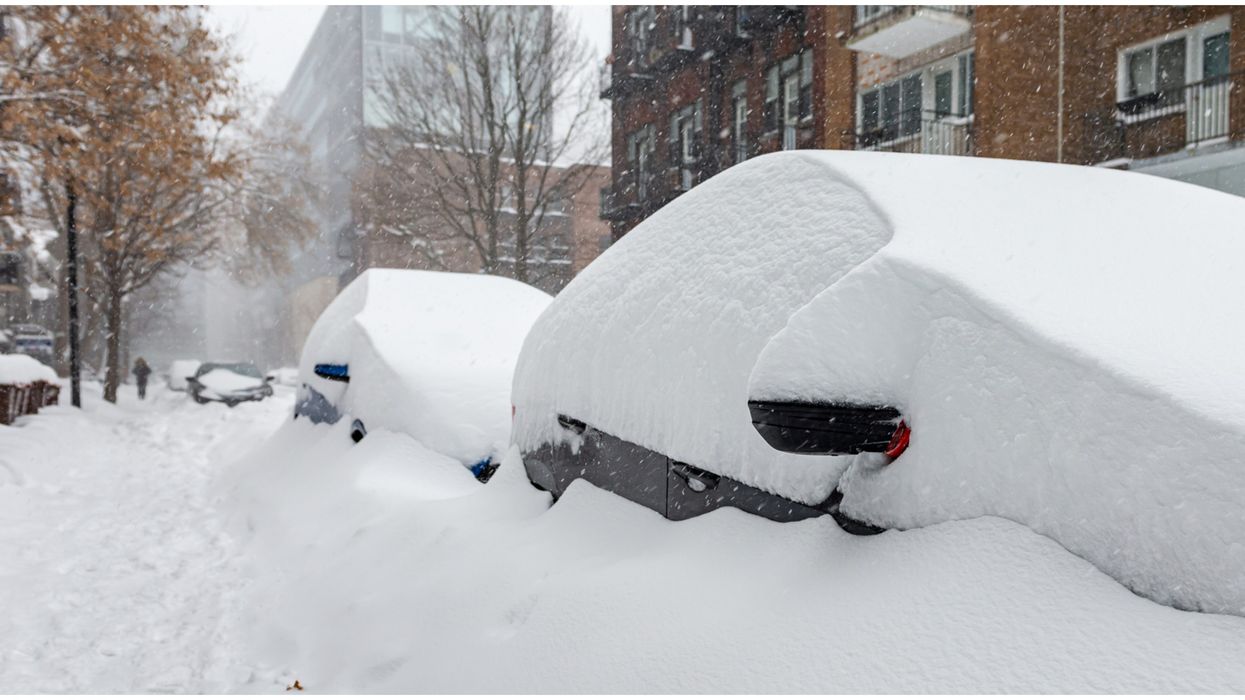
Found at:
<point>337,373</point>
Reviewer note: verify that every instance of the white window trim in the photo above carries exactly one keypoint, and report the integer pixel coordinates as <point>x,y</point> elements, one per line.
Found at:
<point>1193,37</point>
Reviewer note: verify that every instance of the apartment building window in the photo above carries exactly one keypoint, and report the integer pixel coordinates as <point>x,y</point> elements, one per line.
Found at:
<point>640,146</point>
<point>739,120</point>
<point>789,95</point>
<point>686,127</point>
<point>1159,72</point>
<point>967,81</point>
<point>892,110</point>
<point>683,27</point>
<point>639,28</point>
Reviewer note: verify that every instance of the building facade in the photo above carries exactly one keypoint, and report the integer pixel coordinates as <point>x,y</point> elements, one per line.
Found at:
<point>1153,89</point>
<point>333,99</point>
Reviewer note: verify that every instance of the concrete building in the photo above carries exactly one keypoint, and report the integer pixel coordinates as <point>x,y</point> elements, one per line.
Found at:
<point>333,99</point>
<point>1153,89</point>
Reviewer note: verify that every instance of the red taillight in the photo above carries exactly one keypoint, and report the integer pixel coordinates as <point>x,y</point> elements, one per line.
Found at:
<point>899,441</point>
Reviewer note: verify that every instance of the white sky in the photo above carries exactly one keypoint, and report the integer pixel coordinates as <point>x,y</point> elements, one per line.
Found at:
<point>271,38</point>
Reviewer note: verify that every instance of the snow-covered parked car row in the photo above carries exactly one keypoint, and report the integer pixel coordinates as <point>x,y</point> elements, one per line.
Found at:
<point>893,340</point>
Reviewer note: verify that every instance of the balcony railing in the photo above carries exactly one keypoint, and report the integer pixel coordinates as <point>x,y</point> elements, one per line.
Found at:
<point>1205,106</point>
<point>920,132</point>
<point>868,14</point>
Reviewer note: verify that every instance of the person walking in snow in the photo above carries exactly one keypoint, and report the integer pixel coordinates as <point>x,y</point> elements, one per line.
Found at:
<point>141,372</point>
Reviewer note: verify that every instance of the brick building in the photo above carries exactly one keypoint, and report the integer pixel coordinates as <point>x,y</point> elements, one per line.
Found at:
<point>1154,89</point>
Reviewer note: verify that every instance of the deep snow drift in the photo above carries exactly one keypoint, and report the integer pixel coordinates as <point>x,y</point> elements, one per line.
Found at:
<point>654,341</point>
<point>1064,342</point>
<point>116,572</point>
<point>384,567</point>
<point>430,354</point>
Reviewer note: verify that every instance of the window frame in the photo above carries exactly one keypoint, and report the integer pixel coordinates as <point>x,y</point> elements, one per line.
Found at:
<point>1194,38</point>
<point>961,67</point>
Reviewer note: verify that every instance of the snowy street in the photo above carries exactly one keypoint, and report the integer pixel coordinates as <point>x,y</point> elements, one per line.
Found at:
<point>167,546</point>
<point>115,570</point>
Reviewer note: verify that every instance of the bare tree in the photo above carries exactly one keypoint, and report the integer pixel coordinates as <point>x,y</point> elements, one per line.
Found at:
<point>482,120</point>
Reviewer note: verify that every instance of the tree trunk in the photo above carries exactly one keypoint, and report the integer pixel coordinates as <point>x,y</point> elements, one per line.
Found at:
<point>112,377</point>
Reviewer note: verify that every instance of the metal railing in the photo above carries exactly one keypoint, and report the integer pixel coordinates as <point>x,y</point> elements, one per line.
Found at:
<point>868,14</point>
<point>920,132</point>
<point>1204,104</point>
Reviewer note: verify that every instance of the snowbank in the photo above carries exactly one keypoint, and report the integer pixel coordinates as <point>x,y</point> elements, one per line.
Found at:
<point>23,369</point>
<point>384,567</point>
<point>654,341</point>
<point>179,370</point>
<point>430,354</point>
<point>1064,343</point>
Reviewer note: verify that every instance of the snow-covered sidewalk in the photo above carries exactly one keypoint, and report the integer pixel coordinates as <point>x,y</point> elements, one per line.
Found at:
<point>116,574</point>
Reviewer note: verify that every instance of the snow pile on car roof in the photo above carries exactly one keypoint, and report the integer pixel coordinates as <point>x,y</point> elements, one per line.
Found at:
<point>654,341</point>
<point>430,354</point>
<point>1065,343</point>
<point>23,369</point>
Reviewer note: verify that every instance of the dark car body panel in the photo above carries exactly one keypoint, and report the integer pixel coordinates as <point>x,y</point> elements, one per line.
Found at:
<point>824,428</point>
<point>676,490</point>
<point>316,407</point>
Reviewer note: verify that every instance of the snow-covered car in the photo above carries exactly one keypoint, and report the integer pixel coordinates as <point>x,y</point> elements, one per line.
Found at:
<point>1052,344</point>
<point>230,383</point>
<point>1063,343</point>
<point>428,354</point>
<point>180,371</point>
<point>636,377</point>
<point>33,340</point>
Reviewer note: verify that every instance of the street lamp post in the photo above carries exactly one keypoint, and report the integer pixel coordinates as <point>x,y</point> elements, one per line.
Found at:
<point>71,281</point>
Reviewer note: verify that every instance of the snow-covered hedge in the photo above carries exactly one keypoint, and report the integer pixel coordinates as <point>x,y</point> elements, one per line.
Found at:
<point>430,354</point>
<point>23,369</point>
<point>654,341</point>
<point>1066,345</point>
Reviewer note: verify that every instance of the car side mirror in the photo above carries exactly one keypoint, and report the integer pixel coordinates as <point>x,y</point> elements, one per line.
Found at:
<point>190,379</point>
<point>269,378</point>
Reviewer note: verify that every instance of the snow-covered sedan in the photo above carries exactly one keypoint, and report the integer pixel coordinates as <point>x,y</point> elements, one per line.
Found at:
<point>428,354</point>
<point>636,377</point>
<point>230,383</point>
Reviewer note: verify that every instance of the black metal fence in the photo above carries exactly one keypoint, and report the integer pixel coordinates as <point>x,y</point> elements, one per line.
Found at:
<point>919,132</point>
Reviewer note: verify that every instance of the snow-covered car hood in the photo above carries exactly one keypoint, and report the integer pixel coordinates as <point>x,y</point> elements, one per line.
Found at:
<point>223,382</point>
<point>1063,341</point>
<point>429,354</point>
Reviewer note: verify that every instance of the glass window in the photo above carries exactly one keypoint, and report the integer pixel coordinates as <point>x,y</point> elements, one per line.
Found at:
<point>967,67</point>
<point>910,122</point>
<point>942,94</point>
<point>1215,56</point>
<point>869,115</point>
<point>1141,72</point>
<point>391,22</point>
<point>1170,69</point>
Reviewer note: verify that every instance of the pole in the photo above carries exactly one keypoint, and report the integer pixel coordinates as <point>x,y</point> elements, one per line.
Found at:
<point>71,281</point>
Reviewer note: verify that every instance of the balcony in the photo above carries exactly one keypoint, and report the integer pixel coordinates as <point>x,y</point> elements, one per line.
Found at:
<point>920,132</point>
<point>619,80</point>
<point>1176,118</point>
<point>899,31</point>
<point>762,17</point>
